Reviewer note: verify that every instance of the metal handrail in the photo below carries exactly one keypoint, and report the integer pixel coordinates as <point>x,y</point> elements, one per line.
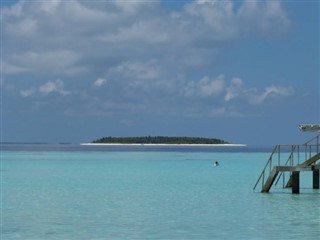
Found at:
<point>263,171</point>
<point>290,159</point>
<point>316,137</point>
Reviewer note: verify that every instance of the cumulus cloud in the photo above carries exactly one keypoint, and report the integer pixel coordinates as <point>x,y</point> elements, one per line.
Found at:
<point>205,87</point>
<point>135,77</point>
<point>12,69</point>
<point>237,90</point>
<point>27,92</point>
<point>264,17</point>
<point>59,62</point>
<point>56,86</point>
<point>67,37</point>
<point>269,92</point>
<point>142,48</point>
<point>137,70</point>
<point>99,82</point>
<point>49,87</point>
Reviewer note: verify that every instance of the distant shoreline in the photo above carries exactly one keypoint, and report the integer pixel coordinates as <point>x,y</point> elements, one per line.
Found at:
<point>163,144</point>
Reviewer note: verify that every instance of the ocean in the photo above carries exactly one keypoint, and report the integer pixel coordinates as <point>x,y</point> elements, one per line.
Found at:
<point>69,192</point>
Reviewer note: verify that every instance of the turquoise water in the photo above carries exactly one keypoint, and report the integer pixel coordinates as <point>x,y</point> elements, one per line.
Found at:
<point>166,194</point>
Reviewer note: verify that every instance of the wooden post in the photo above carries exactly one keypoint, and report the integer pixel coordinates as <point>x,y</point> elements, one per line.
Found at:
<point>296,182</point>
<point>315,178</point>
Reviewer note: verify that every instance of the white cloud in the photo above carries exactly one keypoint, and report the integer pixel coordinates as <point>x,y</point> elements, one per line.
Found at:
<point>141,76</point>
<point>99,82</point>
<point>205,87</point>
<point>50,6</point>
<point>140,47</point>
<point>137,70</point>
<point>234,89</point>
<point>264,17</point>
<point>218,18</point>
<point>49,87</point>
<point>133,6</point>
<point>53,87</point>
<point>204,1</point>
<point>67,37</point>
<point>269,92</point>
<point>27,93</point>
<point>252,95</point>
<point>60,62</point>
<point>149,31</point>
<point>27,27</point>
<point>12,69</point>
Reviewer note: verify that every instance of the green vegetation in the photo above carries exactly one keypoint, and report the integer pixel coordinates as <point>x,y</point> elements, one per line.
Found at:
<point>160,140</point>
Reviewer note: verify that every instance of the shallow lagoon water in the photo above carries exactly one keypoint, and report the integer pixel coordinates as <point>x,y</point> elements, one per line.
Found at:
<point>136,193</point>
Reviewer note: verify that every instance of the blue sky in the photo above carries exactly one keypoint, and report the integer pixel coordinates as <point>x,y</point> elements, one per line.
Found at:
<point>242,71</point>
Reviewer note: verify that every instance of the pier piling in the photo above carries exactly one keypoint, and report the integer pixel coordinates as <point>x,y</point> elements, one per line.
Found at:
<point>316,178</point>
<point>296,182</point>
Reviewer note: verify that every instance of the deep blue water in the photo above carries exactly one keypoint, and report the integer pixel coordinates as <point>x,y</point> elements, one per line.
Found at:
<point>84,192</point>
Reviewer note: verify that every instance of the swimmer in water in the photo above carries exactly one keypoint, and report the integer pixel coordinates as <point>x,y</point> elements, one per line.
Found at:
<point>216,163</point>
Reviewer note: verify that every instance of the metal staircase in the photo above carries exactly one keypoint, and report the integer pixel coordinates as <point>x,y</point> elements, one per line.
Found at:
<point>291,158</point>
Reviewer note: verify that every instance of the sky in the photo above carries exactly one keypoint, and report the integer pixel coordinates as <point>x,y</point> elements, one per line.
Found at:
<point>242,71</point>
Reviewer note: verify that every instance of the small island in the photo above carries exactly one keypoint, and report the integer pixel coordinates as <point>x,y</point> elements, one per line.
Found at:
<point>159,140</point>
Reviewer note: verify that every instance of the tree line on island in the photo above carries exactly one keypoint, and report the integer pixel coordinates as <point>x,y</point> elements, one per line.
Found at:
<point>160,140</point>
